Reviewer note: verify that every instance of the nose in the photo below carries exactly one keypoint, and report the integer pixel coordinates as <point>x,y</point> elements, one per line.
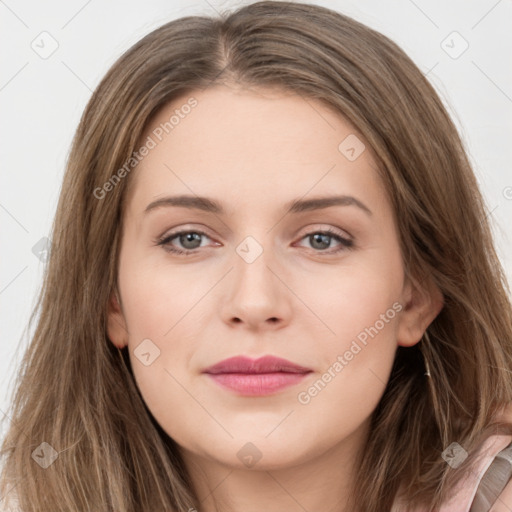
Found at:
<point>257,297</point>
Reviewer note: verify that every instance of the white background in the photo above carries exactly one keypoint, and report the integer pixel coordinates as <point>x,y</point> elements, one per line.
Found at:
<point>41,101</point>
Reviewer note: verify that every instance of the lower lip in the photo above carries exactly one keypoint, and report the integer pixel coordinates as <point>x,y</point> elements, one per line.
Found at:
<point>257,384</point>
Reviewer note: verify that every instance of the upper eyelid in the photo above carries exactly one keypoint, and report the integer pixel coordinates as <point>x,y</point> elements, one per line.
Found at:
<point>336,232</point>
<point>179,231</point>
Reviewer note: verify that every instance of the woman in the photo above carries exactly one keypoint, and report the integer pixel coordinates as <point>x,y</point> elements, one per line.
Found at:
<point>341,336</point>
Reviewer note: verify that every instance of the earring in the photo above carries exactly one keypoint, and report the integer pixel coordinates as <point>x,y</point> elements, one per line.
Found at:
<point>427,373</point>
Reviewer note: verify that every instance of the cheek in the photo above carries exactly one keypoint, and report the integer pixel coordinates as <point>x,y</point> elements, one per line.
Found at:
<point>336,306</point>
<point>334,318</point>
<point>361,309</point>
<point>162,303</point>
<point>159,307</point>
<point>356,359</point>
<point>354,301</point>
<point>332,306</point>
<point>155,298</point>
<point>365,340</point>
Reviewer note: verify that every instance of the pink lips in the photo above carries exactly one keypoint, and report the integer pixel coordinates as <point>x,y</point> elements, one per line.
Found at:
<point>262,376</point>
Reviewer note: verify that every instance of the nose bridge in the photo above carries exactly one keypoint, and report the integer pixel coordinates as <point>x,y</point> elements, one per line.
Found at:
<point>251,249</point>
<point>256,294</point>
<point>253,262</point>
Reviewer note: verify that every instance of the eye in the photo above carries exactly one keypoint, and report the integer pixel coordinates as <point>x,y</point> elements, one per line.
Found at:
<point>321,240</point>
<point>191,240</point>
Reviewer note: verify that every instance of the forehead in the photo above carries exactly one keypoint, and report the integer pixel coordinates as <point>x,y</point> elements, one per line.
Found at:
<point>251,145</point>
<point>277,117</point>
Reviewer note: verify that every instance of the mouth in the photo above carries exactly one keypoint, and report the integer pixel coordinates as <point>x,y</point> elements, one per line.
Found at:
<point>257,384</point>
<point>263,376</point>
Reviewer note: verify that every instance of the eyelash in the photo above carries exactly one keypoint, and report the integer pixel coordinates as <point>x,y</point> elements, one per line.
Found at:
<point>164,241</point>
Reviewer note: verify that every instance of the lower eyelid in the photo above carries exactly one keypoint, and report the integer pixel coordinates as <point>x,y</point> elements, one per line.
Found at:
<point>166,240</point>
<point>345,243</point>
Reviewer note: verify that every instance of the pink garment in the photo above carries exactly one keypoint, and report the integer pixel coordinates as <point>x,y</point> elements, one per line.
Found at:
<point>461,501</point>
<point>465,491</point>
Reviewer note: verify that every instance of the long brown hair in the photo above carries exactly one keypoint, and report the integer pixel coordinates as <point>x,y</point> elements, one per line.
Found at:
<point>76,392</point>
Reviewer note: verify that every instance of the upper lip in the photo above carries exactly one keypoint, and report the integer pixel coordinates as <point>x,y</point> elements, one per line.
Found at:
<point>266,364</point>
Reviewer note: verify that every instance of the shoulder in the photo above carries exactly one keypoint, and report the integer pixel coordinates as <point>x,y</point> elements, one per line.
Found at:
<point>494,492</point>
<point>503,502</point>
<point>486,487</point>
<point>488,480</point>
<point>495,489</point>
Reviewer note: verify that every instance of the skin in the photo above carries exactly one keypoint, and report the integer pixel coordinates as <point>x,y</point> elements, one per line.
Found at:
<point>254,151</point>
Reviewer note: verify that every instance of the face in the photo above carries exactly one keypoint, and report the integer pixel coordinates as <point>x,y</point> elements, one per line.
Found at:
<point>319,284</point>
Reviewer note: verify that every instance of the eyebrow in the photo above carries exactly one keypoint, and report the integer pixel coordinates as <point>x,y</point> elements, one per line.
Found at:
<point>296,206</point>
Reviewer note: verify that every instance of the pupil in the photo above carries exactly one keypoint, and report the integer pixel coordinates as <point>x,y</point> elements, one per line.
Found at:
<point>190,238</point>
<point>321,237</point>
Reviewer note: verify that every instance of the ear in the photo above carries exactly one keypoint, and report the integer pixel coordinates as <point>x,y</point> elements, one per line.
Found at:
<point>423,302</point>
<point>116,323</point>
